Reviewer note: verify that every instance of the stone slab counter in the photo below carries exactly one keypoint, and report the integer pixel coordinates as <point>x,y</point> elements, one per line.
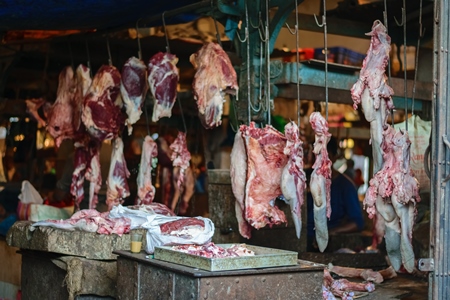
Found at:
<point>77,243</point>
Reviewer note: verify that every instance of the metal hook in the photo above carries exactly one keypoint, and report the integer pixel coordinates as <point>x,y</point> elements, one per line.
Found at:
<point>109,51</point>
<point>295,31</point>
<point>239,37</point>
<point>165,32</point>
<point>182,114</point>
<point>217,32</point>
<point>403,18</point>
<point>317,22</point>
<point>138,40</point>
<point>259,21</point>
<point>296,21</point>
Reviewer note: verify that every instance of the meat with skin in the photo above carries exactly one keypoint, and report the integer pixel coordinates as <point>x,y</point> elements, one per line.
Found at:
<point>180,156</point>
<point>133,88</point>
<point>320,183</point>
<point>214,77</point>
<point>186,191</point>
<point>102,114</point>
<point>93,173</point>
<point>35,105</point>
<point>60,122</point>
<point>238,174</point>
<point>342,287</point>
<point>82,160</point>
<point>146,190</point>
<point>154,208</point>
<point>84,80</point>
<point>163,79</point>
<point>293,179</point>
<point>265,164</point>
<point>366,274</point>
<point>117,182</point>
<point>395,183</point>
<point>180,225</point>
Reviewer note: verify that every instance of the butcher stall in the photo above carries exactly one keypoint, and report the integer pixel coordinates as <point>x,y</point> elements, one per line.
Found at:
<point>224,149</point>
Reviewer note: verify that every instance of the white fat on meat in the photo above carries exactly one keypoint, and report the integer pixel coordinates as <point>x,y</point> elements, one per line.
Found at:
<point>293,179</point>
<point>265,164</point>
<point>186,191</point>
<point>320,183</point>
<point>117,184</point>
<point>163,77</point>
<point>94,175</point>
<point>84,80</point>
<point>133,88</point>
<point>214,77</point>
<point>238,174</point>
<point>180,156</point>
<point>146,190</point>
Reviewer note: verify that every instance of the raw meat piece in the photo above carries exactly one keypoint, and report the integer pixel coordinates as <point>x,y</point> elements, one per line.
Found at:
<point>180,225</point>
<point>211,250</point>
<point>180,156</point>
<point>133,88</point>
<point>102,114</point>
<point>321,179</point>
<point>163,80</point>
<point>395,183</point>
<point>265,164</point>
<point>60,123</point>
<point>93,173</point>
<point>81,161</point>
<point>33,107</point>
<point>366,274</point>
<point>186,191</point>
<point>215,76</point>
<point>342,287</point>
<point>146,190</point>
<point>117,182</point>
<point>238,173</point>
<point>84,81</point>
<point>293,179</point>
<point>154,208</point>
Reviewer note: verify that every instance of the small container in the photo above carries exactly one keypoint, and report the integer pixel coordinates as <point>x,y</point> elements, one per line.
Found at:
<point>136,242</point>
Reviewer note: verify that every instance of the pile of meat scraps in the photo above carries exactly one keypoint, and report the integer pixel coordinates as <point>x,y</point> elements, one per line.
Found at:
<point>211,250</point>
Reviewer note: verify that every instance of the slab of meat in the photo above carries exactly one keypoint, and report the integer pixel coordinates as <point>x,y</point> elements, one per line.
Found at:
<point>38,104</point>
<point>93,173</point>
<point>180,156</point>
<point>117,182</point>
<point>81,161</point>
<point>238,174</point>
<point>146,190</point>
<point>153,208</point>
<point>293,179</point>
<point>366,274</point>
<point>342,287</point>
<point>395,184</point>
<point>163,79</point>
<point>215,76</point>
<point>102,114</point>
<point>60,122</point>
<point>374,95</point>
<point>133,88</point>
<point>320,183</point>
<point>186,191</point>
<point>265,164</point>
<point>84,80</point>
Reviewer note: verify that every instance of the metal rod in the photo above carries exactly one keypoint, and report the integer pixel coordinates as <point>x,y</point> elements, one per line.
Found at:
<point>109,51</point>
<point>146,118</point>
<point>269,100</point>
<point>404,63</point>
<point>138,40</point>
<point>298,62</point>
<point>416,67</point>
<point>182,114</point>
<point>185,9</point>
<point>385,13</point>
<point>248,66</point>
<point>217,32</point>
<point>71,54</point>
<point>165,32</point>
<point>88,57</point>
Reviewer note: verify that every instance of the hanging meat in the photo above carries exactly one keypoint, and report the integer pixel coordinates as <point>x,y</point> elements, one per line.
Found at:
<point>163,80</point>
<point>38,104</point>
<point>395,183</point>
<point>81,161</point>
<point>265,164</point>
<point>60,122</point>
<point>373,93</point>
<point>146,190</point>
<point>185,192</point>
<point>93,172</point>
<point>117,182</point>
<point>102,114</point>
<point>215,76</point>
<point>180,156</point>
<point>84,81</point>
<point>238,174</point>
<point>293,178</point>
<point>133,88</point>
<point>320,183</point>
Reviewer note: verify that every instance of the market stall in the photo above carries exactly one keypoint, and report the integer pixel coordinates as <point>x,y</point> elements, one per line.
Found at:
<point>234,149</point>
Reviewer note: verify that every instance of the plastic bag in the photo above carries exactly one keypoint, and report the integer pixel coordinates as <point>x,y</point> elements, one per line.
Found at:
<point>29,194</point>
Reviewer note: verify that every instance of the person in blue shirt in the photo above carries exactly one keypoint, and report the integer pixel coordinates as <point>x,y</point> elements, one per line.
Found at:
<point>346,213</point>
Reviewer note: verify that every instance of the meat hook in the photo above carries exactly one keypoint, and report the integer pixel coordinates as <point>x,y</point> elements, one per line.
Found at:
<point>71,54</point>
<point>88,63</point>
<point>416,67</point>
<point>269,106</point>
<point>404,61</point>
<point>385,18</point>
<point>325,41</point>
<point>109,51</point>
<point>217,32</point>
<point>138,40</point>
<point>447,143</point>
<point>403,17</point>
<point>182,114</point>
<point>165,32</point>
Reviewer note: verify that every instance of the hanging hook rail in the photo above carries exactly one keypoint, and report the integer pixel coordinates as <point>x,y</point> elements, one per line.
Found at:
<point>325,41</point>
<point>138,40</point>
<point>109,51</point>
<point>165,32</point>
<point>416,67</point>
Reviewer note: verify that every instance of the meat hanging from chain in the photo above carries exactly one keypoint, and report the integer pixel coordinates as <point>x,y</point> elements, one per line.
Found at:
<point>146,190</point>
<point>265,164</point>
<point>102,114</point>
<point>133,88</point>
<point>320,183</point>
<point>117,184</point>
<point>238,174</point>
<point>214,77</point>
<point>293,178</point>
<point>60,122</point>
<point>395,183</point>
<point>163,77</point>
